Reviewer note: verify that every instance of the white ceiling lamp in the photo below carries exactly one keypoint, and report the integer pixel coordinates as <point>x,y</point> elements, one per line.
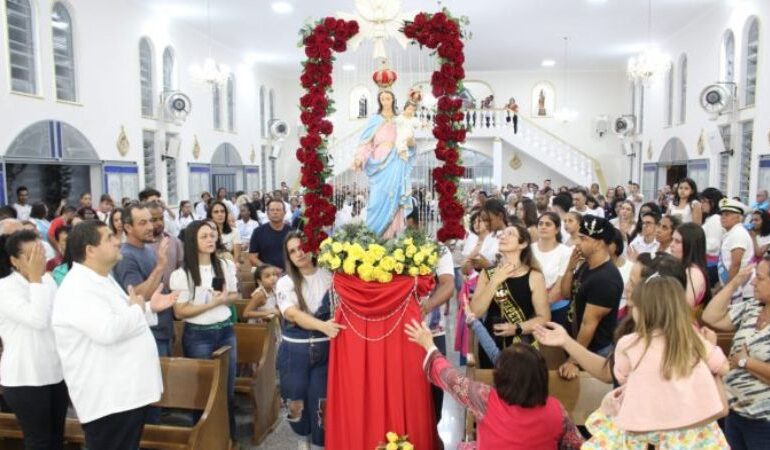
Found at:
<point>282,7</point>
<point>651,62</point>
<point>548,63</point>
<point>565,114</point>
<point>211,72</point>
<point>349,67</point>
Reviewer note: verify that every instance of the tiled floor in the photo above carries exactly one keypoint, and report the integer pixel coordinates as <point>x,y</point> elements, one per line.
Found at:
<point>450,428</point>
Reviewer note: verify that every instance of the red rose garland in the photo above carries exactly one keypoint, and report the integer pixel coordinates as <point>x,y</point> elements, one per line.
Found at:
<point>327,35</point>
<point>442,32</point>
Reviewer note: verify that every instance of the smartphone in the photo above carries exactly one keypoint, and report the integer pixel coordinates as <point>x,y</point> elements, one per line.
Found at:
<point>218,284</point>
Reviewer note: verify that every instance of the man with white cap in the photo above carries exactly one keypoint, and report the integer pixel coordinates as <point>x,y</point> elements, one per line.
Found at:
<point>734,252</point>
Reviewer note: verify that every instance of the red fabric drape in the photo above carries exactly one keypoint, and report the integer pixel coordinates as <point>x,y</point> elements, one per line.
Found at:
<point>377,386</point>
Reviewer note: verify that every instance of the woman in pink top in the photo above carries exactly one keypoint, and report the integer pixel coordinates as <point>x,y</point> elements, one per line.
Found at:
<point>668,370</point>
<point>518,413</point>
<point>688,245</point>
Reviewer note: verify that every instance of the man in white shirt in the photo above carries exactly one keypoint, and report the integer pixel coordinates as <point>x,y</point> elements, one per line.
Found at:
<point>736,250</point>
<point>579,197</point>
<point>23,209</point>
<point>104,342</point>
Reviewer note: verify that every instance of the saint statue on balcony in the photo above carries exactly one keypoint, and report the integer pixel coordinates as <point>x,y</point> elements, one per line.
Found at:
<point>541,104</point>
<point>386,153</point>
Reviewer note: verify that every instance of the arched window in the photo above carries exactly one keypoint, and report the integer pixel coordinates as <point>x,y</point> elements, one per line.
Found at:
<point>231,103</point>
<point>727,69</point>
<point>216,97</point>
<point>271,104</point>
<point>21,46</point>
<point>670,96</point>
<point>63,53</point>
<point>751,57</point>
<point>682,88</point>
<point>168,69</point>
<point>145,76</point>
<point>262,119</point>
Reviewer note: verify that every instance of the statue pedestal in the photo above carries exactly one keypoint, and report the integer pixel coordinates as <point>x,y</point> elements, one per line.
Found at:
<point>376,381</point>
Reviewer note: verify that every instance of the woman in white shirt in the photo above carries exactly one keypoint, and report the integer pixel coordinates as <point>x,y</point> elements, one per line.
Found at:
<point>760,233</point>
<point>245,224</point>
<point>207,286</point>
<point>712,226</point>
<point>626,220</point>
<point>685,203</point>
<point>185,217</point>
<point>553,257</point>
<point>30,371</point>
<point>220,214</point>
<point>303,356</point>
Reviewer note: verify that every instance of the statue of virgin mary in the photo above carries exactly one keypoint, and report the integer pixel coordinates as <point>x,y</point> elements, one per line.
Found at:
<point>387,168</point>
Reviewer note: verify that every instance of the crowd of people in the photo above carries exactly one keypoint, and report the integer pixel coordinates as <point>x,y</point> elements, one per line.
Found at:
<point>630,289</point>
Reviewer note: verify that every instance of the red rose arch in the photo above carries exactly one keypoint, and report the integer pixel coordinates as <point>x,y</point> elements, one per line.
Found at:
<point>440,32</point>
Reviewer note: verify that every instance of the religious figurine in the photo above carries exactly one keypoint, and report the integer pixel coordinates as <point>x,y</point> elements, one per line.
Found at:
<point>387,169</point>
<point>541,104</point>
<point>362,107</point>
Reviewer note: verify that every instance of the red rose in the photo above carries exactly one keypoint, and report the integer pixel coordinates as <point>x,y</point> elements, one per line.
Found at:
<point>325,127</point>
<point>310,141</point>
<point>352,28</point>
<point>327,190</point>
<point>339,46</point>
<point>330,23</point>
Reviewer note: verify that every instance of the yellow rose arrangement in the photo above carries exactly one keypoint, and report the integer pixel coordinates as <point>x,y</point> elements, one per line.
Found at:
<point>355,250</point>
<point>395,442</point>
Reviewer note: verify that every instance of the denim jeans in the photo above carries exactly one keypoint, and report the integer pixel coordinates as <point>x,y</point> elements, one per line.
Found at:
<point>743,433</point>
<point>302,370</point>
<point>200,344</point>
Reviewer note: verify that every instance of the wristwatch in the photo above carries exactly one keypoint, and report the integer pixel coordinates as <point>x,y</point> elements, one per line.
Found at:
<point>742,362</point>
<point>519,331</point>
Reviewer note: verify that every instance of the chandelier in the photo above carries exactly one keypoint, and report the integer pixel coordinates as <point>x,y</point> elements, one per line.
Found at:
<point>647,65</point>
<point>651,62</point>
<point>565,114</point>
<point>211,72</point>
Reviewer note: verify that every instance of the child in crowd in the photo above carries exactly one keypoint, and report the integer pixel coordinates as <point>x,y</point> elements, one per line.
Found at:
<point>262,305</point>
<point>670,376</point>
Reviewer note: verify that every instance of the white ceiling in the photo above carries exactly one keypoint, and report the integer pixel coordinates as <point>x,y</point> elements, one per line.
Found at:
<point>507,34</point>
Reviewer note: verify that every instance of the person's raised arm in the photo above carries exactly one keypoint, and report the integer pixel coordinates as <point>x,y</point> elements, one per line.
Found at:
<point>716,314</point>
<point>554,335</point>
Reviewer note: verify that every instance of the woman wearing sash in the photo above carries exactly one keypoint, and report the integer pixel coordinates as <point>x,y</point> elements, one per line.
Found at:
<point>511,296</point>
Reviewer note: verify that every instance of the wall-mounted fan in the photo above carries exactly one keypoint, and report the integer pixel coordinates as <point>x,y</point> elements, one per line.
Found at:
<point>176,106</point>
<point>718,98</point>
<point>279,129</point>
<point>625,125</point>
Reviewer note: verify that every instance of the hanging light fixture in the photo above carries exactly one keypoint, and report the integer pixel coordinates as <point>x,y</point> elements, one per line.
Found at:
<point>211,72</point>
<point>651,62</point>
<point>565,114</point>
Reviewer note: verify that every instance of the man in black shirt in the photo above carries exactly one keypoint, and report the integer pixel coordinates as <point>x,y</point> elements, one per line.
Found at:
<point>266,244</point>
<point>596,290</point>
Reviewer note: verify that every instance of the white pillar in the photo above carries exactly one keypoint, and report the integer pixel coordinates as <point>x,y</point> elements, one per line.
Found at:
<point>497,162</point>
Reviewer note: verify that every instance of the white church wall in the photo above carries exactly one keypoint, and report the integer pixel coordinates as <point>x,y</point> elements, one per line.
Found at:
<point>701,41</point>
<point>107,74</point>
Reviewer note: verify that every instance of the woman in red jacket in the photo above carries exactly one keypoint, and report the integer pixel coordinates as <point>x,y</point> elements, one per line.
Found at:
<point>518,413</point>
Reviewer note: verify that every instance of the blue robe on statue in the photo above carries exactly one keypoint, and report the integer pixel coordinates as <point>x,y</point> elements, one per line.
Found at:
<point>388,172</point>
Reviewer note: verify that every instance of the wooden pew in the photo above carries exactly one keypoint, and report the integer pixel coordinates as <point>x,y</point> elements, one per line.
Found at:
<point>246,288</point>
<point>188,384</point>
<point>257,348</point>
<point>725,341</point>
<point>580,397</point>
<point>240,306</point>
<point>176,348</point>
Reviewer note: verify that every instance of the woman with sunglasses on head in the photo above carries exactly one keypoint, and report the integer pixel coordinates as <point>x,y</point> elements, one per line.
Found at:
<point>302,296</point>
<point>207,286</point>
